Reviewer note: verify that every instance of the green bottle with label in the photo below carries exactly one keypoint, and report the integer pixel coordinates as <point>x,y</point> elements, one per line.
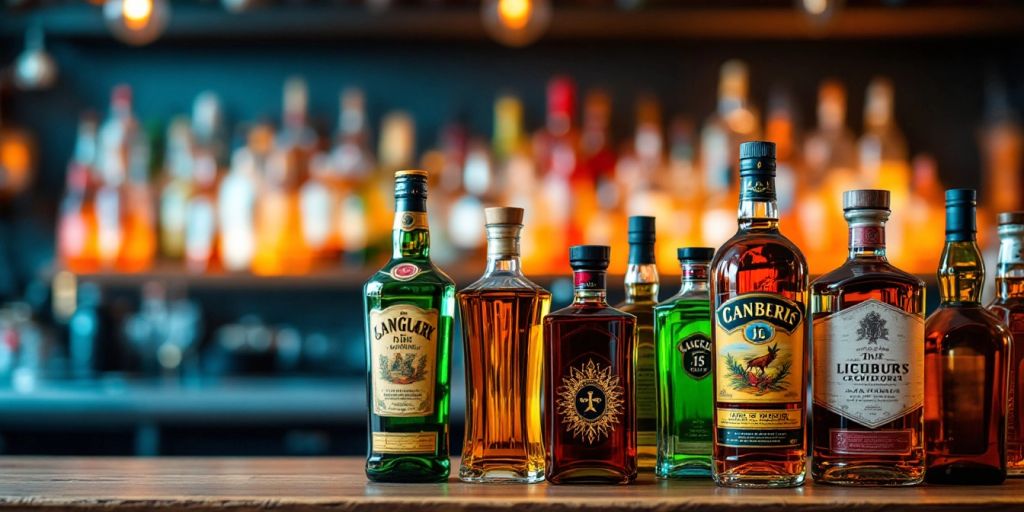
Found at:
<point>410,311</point>
<point>682,328</point>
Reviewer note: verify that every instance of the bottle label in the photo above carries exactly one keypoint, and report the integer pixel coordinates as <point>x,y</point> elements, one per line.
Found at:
<point>757,187</point>
<point>403,352</point>
<point>410,221</point>
<point>869,363</point>
<point>871,442</point>
<point>759,344</point>
<point>588,279</point>
<point>403,442</point>
<point>867,236</point>
<point>590,402</point>
<point>760,428</point>
<point>695,352</point>
<point>404,271</point>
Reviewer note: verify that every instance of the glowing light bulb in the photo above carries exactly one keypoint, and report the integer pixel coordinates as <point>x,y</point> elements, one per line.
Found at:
<point>516,22</point>
<point>819,11</point>
<point>137,22</point>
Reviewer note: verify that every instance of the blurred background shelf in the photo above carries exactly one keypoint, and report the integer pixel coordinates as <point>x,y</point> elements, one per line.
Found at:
<point>661,21</point>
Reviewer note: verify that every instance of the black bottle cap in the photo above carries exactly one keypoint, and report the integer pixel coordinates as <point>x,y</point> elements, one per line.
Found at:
<point>757,157</point>
<point>695,254</point>
<point>961,224</point>
<point>411,190</point>
<point>589,257</point>
<point>641,240</point>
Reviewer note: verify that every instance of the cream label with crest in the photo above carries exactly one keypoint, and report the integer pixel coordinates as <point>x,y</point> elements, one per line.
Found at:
<point>869,363</point>
<point>403,360</point>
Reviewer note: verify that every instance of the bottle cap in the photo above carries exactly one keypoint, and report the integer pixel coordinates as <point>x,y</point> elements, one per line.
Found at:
<point>866,200</point>
<point>1011,218</point>
<point>695,254</point>
<point>503,215</point>
<point>641,230</point>
<point>961,225</point>
<point>589,257</point>
<point>757,157</point>
<point>411,190</point>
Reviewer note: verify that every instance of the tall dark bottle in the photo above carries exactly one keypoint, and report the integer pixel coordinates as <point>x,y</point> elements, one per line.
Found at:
<point>759,335</point>
<point>641,296</point>
<point>966,350</point>
<point>410,310</point>
<point>589,413</point>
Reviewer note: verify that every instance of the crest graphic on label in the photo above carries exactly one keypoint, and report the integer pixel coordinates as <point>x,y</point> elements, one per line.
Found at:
<point>403,352</point>
<point>404,271</point>
<point>759,345</point>
<point>590,402</point>
<point>696,355</point>
<point>869,363</point>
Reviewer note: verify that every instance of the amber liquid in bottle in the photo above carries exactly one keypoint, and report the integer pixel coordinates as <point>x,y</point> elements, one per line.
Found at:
<point>966,371</point>
<point>1009,307</point>
<point>760,373</point>
<point>501,320</point>
<point>589,408</point>
<point>868,360</point>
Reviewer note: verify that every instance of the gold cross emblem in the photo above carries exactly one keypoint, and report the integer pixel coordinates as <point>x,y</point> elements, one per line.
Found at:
<point>590,401</point>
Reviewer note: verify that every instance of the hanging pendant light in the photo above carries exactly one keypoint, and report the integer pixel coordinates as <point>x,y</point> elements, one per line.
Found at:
<point>35,69</point>
<point>516,22</point>
<point>137,22</point>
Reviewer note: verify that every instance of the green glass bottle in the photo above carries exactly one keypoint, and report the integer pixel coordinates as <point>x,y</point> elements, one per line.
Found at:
<point>641,297</point>
<point>682,327</point>
<point>410,311</point>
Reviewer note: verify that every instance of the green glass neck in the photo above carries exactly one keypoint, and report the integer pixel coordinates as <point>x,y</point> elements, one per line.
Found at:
<point>961,273</point>
<point>411,244</point>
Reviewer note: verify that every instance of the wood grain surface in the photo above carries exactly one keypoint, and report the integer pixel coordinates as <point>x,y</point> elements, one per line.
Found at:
<point>338,484</point>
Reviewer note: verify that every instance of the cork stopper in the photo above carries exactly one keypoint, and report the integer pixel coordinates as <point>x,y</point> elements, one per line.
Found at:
<point>503,215</point>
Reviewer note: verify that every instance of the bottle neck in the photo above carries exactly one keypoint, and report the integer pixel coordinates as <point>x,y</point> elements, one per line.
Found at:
<point>867,239</point>
<point>694,278</point>
<point>758,207</point>
<point>961,272</point>
<point>642,282</point>
<point>503,249</point>
<point>1010,266</point>
<point>411,236</point>
<point>590,287</point>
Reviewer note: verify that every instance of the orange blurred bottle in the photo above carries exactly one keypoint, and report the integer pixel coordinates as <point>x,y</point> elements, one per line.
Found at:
<point>77,229</point>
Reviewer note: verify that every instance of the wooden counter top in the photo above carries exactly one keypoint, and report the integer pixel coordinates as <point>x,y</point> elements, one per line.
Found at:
<point>207,484</point>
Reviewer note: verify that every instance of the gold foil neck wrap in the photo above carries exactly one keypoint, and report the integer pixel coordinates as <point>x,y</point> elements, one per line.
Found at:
<point>411,172</point>
<point>410,221</point>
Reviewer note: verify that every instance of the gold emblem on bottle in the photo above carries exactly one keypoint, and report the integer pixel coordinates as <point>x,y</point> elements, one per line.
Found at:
<point>590,402</point>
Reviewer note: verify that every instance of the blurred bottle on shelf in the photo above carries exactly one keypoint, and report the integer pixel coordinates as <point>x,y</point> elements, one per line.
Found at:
<point>884,163</point>
<point>17,158</point>
<point>643,195</point>
<point>682,181</point>
<point>396,150</point>
<point>177,188</point>
<point>281,245</point>
<point>601,166</point>
<point>926,205</point>
<point>78,226</point>
<point>1001,142</point>
<point>236,205</point>
<point>734,121</point>
<point>780,128</point>
<point>352,164</point>
<point>517,173</point>
<point>830,159</point>
<point>556,152</point>
<point>201,254</point>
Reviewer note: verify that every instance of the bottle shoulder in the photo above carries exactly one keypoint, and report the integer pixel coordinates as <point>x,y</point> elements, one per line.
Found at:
<point>504,281</point>
<point>949,319</point>
<point>860,273</point>
<point>575,311</point>
<point>407,273</point>
<point>751,246</point>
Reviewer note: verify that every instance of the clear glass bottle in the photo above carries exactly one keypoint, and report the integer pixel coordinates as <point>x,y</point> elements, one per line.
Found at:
<point>1009,307</point>
<point>759,285</point>
<point>501,325</point>
<point>966,371</point>
<point>641,296</point>
<point>589,413</point>
<point>685,362</point>
<point>868,359</point>
<point>410,312</point>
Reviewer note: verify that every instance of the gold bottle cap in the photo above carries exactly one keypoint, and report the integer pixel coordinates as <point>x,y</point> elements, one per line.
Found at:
<point>411,172</point>
<point>504,215</point>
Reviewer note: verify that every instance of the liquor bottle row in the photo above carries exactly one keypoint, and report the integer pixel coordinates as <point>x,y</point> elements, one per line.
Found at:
<point>289,200</point>
<point>713,381</point>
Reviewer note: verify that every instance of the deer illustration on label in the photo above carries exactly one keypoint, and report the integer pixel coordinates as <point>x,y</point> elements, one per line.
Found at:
<point>757,347</point>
